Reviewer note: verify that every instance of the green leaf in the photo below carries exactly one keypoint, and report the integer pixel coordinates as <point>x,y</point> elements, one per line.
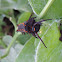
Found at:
<point>7,39</point>
<point>24,17</point>
<point>27,54</point>
<point>24,5</point>
<point>53,51</point>
<point>23,38</point>
<point>15,4</point>
<point>2,44</point>
<point>54,11</point>
<point>7,4</point>
<point>37,5</point>
<point>35,51</point>
<point>14,51</point>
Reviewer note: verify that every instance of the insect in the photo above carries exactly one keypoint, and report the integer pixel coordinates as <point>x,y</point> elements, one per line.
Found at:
<point>32,27</point>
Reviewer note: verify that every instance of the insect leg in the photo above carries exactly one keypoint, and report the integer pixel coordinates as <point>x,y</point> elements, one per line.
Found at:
<point>40,39</point>
<point>34,35</point>
<point>23,33</point>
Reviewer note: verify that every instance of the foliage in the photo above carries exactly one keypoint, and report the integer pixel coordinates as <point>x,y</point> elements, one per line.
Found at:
<point>26,48</point>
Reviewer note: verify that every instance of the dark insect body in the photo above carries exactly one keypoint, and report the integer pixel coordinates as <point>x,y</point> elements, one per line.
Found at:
<point>32,27</point>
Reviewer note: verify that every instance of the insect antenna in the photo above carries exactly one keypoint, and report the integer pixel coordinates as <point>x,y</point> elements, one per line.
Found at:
<point>41,21</point>
<point>44,20</point>
<point>40,39</point>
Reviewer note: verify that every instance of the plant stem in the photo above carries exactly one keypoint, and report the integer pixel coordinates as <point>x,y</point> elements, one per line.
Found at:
<point>8,49</point>
<point>47,6</point>
<point>14,38</point>
<point>12,19</point>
